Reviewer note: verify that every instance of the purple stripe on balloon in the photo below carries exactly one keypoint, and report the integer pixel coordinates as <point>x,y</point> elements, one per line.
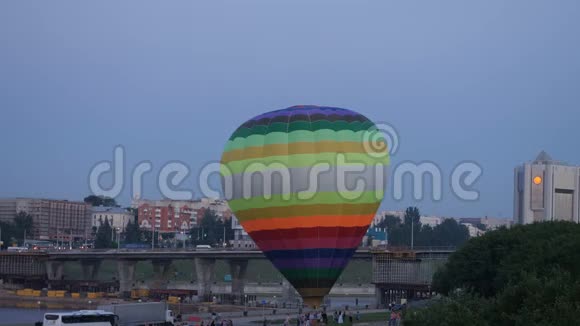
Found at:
<point>306,110</point>
<point>310,263</point>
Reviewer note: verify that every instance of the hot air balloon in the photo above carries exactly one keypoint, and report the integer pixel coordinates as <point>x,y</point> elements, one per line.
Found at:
<point>305,183</point>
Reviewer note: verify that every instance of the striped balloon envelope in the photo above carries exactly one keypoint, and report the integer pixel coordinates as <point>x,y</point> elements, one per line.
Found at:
<point>305,183</point>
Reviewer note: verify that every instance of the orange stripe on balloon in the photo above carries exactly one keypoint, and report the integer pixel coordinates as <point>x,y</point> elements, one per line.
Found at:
<point>307,222</point>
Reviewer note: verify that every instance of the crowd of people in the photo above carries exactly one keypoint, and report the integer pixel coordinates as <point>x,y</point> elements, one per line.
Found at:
<point>216,320</point>
<point>316,318</point>
<point>319,318</point>
<point>396,314</point>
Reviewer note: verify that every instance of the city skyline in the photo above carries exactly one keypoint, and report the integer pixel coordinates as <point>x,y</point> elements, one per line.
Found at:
<point>460,82</point>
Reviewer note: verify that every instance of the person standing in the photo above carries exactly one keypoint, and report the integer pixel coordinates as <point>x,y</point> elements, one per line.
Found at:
<point>313,320</point>
<point>340,317</point>
<point>399,317</point>
<point>393,318</point>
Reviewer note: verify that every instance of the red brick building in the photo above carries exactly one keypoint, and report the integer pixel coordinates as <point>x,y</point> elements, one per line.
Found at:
<point>170,216</point>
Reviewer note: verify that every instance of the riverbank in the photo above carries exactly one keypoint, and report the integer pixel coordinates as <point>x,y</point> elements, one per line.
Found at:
<point>8,299</point>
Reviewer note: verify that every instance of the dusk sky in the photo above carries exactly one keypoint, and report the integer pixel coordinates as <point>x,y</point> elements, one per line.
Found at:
<point>492,82</point>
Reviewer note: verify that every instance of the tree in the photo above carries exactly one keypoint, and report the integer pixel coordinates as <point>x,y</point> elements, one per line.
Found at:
<point>22,225</point>
<point>7,233</point>
<point>412,215</point>
<point>526,275</point>
<point>132,232</point>
<point>389,222</point>
<point>448,233</point>
<point>101,201</point>
<point>531,300</point>
<point>15,230</point>
<point>488,263</point>
<point>210,230</point>
<point>103,238</point>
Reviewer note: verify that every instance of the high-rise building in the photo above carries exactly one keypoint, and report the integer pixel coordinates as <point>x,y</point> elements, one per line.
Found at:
<point>546,190</point>
<point>52,219</point>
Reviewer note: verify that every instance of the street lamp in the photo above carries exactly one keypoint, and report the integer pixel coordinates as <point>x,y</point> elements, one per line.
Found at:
<point>245,305</point>
<point>118,238</point>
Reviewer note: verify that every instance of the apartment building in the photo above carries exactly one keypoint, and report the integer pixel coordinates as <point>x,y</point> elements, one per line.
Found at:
<point>52,218</point>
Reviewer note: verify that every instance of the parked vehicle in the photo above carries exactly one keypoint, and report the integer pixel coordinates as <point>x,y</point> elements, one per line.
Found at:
<point>146,313</point>
<point>38,245</point>
<point>136,246</point>
<point>17,249</point>
<point>80,318</point>
<point>203,247</point>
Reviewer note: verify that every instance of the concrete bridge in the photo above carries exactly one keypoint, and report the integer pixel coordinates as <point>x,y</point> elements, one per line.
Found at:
<point>204,261</point>
<point>50,265</point>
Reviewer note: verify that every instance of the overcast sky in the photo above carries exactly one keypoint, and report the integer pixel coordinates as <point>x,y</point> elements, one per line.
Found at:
<point>488,81</point>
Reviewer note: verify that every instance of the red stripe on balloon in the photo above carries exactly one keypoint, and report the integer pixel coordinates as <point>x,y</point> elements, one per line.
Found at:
<point>309,243</point>
<point>307,238</point>
<point>309,232</point>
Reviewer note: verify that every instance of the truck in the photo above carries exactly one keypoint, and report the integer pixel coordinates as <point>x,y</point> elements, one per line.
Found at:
<point>136,314</point>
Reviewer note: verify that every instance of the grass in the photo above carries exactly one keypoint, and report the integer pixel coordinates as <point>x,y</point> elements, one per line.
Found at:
<point>184,270</point>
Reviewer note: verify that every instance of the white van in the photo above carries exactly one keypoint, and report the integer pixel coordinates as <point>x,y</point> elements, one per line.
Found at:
<point>203,247</point>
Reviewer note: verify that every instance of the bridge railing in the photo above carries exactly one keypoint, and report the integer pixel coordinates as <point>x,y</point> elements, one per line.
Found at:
<point>415,248</point>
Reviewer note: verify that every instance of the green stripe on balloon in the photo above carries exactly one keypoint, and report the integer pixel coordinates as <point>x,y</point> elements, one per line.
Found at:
<point>299,125</point>
<point>300,160</point>
<point>342,197</point>
<point>295,137</point>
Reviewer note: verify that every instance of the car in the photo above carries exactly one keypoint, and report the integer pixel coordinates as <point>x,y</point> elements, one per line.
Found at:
<point>202,247</point>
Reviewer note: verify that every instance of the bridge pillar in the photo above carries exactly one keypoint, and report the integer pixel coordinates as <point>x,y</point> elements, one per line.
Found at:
<point>126,271</point>
<point>204,269</point>
<point>90,268</point>
<point>378,297</point>
<point>289,294</point>
<point>55,270</point>
<point>238,268</point>
<point>161,268</point>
